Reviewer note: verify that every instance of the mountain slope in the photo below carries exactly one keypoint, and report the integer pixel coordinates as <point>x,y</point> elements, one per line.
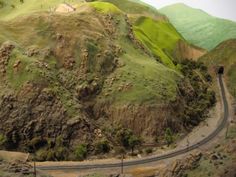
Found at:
<point>80,83</point>
<point>199,27</point>
<point>224,54</point>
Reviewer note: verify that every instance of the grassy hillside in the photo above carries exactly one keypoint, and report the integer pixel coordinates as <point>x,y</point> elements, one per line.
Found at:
<point>134,7</point>
<point>86,82</point>
<point>11,8</point>
<point>161,45</point>
<point>224,54</point>
<point>199,27</point>
<point>105,7</point>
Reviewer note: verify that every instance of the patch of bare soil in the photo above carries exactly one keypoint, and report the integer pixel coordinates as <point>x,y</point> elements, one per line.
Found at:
<point>13,156</point>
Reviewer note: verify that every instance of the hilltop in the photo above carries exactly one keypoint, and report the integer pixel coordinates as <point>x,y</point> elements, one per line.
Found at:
<point>198,27</point>
<point>92,81</point>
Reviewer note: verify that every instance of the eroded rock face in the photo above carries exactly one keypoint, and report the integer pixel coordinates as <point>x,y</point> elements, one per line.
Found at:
<point>186,51</point>
<point>178,168</point>
<point>18,169</point>
<point>5,51</point>
<point>37,112</point>
<point>146,121</point>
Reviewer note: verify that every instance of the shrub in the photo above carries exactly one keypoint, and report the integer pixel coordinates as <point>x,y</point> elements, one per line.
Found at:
<point>122,136</point>
<point>41,155</point>
<point>201,97</point>
<point>168,136</point>
<point>102,147</point>
<point>81,152</point>
<point>133,142</point>
<point>37,143</point>
<point>148,150</point>
<point>50,155</point>
<point>61,153</point>
<point>2,140</point>
<point>119,150</point>
<point>127,139</point>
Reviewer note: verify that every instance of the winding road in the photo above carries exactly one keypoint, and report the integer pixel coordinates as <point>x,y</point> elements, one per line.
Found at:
<point>160,157</point>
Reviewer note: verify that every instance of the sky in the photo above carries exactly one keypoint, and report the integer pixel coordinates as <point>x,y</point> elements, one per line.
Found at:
<point>219,8</point>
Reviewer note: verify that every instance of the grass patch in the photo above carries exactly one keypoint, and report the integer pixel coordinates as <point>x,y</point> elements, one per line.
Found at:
<point>29,6</point>
<point>105,7</point>
<point>134,7</point>
<point>151,81</point>
<point>27,71</point>
<point>160,37</point>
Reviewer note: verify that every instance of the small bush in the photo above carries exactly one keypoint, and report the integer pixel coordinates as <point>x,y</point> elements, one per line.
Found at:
<point>102,147</point>
<point>2,140</point>
<point>61,153</point>
<point>120,150</point>
<point>50,155</point>
<point>148,150</point>
<point>36,143</point>
<point>81,152</point>
<point>41,155</point>
<point>169,136</point>
<point>133,142</point>
<point>127,139</point>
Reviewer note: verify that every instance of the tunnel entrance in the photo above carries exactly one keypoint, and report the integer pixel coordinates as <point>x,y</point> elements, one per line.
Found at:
<point>221,70</point>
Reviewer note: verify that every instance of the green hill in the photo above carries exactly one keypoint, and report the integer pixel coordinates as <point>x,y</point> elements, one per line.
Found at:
<point>224,54</point>
<point>199,27</point>
<point>84,82</point>
<point>134,7</point>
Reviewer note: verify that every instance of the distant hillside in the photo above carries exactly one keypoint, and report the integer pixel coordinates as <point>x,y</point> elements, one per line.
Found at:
<point>224,54</point>
<point>198,27</point>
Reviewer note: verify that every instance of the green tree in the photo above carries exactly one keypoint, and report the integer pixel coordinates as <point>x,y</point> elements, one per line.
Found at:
<point>133,142</point>
<point>81,152</point>
<point>169,136</point>
<point>123,136</point>
<point>102,147</point>
<point>22,1</point>
<point>127,139</point>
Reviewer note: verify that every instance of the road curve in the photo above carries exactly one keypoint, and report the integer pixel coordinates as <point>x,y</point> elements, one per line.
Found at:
<point>154,158</point>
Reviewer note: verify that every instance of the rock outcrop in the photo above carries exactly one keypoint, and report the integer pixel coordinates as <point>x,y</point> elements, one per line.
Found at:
<point>178,168</point>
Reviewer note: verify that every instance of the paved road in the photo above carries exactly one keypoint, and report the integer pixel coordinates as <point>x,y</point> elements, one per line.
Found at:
<point>155,158</point>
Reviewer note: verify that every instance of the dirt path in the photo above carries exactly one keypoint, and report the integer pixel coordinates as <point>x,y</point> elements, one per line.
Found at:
<point>13,156</point>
